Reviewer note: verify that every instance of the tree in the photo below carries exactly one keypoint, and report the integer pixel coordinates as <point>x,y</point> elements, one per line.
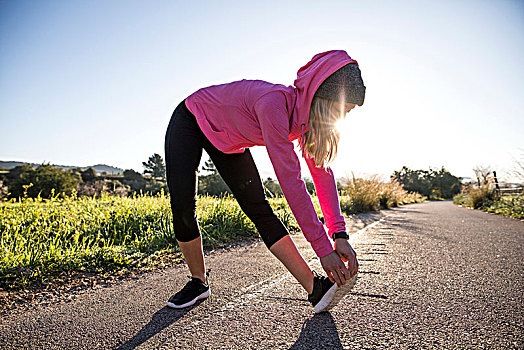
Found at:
<point>272,188</point>
<point>89,175</point>
<point>483,174</point>
<point>210,167</point>
<point>443,184</point>
<point>17,178</point>
<point>212,184</point>
<point>18,171</point>
<point>130,174</point>
<point>155,166</point>
<point>430,183</point>
<point>310,186</point>
<point>135,181</point>
<point>41,181</point>
<point>413,180</point>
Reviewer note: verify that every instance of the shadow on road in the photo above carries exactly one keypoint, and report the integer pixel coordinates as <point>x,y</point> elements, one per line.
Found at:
<point>163,318</point>
<point>402,224</point>
<point>319,330</point>
<point>366,218</point>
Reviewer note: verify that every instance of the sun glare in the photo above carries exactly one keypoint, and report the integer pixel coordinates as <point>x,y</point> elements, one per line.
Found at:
<point>342,125</point>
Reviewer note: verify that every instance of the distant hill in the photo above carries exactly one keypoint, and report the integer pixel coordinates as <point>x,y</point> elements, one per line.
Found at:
<point>100,168</point>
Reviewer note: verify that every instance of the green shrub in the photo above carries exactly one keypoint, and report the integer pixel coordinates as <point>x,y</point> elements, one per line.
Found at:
<point>45,181</point>
<point>476,198</point>
<point>460,199</point>
<point>512,206</point>
<point>481,197</point>
<point>486,199</point>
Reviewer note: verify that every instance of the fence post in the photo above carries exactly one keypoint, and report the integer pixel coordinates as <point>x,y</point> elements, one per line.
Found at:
<point>496,183</point>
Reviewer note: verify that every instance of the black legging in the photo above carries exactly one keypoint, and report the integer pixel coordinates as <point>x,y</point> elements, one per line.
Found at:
<point>183,147</point>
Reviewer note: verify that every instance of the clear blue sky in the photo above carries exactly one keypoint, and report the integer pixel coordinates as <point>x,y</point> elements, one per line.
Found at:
<point>87,82</point>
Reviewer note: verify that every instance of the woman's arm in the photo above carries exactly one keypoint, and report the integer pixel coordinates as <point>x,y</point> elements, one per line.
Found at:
<point>274,124</point>
<point>327,193</point>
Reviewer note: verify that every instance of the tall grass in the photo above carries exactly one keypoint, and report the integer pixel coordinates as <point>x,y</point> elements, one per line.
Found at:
<point>486,199</point>
<point>477,197</point>
<point>222,221</point>
<point>43,238</point>
<point>361,195</point>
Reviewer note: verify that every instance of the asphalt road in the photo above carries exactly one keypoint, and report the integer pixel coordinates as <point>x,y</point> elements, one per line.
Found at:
<point>432,276</point>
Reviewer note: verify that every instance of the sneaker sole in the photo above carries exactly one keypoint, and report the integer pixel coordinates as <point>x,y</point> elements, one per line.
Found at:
<point>204,295</point>
<point>334,295</point>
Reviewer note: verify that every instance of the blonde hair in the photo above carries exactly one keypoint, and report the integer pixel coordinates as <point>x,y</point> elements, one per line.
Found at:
<point>321,141</point>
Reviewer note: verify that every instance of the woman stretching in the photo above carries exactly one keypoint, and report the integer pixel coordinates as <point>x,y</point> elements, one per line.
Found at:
<point>225,120</point>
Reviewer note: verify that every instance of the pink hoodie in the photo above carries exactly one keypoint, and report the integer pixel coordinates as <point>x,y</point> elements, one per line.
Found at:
<point>249,113</point>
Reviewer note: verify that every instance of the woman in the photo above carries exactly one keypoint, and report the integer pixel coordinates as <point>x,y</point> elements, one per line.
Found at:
<point>226,120</point>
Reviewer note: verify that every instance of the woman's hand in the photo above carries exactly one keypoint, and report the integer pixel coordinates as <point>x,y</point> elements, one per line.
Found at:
<point>335,268</point>
<point>347,254</point>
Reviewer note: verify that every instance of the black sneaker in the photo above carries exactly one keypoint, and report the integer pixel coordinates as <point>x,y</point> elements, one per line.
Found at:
<point>194,290</point>
<point>326,294</point>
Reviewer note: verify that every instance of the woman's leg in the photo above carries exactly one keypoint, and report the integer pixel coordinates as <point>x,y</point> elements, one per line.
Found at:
<point>286,251</point>
<point>194,257</point>
<point>241,175</point>
<point>183,150</point>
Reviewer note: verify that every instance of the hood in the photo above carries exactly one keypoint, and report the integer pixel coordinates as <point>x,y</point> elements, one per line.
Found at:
<point>309,78</point>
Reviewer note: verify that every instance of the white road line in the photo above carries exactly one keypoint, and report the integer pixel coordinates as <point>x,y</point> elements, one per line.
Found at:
<point>274,280</point>
<point>243,298</point>
<point>354,236</point>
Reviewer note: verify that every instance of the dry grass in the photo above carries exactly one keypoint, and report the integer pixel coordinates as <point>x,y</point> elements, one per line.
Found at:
<point>360,195</point>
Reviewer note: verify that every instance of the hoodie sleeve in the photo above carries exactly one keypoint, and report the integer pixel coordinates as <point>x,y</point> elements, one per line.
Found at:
<point>274,123</point>
<point>327,196</point>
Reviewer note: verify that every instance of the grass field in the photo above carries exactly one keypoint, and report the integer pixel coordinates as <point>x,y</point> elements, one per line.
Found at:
<point>43,240</point>
<point>486,199</point>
